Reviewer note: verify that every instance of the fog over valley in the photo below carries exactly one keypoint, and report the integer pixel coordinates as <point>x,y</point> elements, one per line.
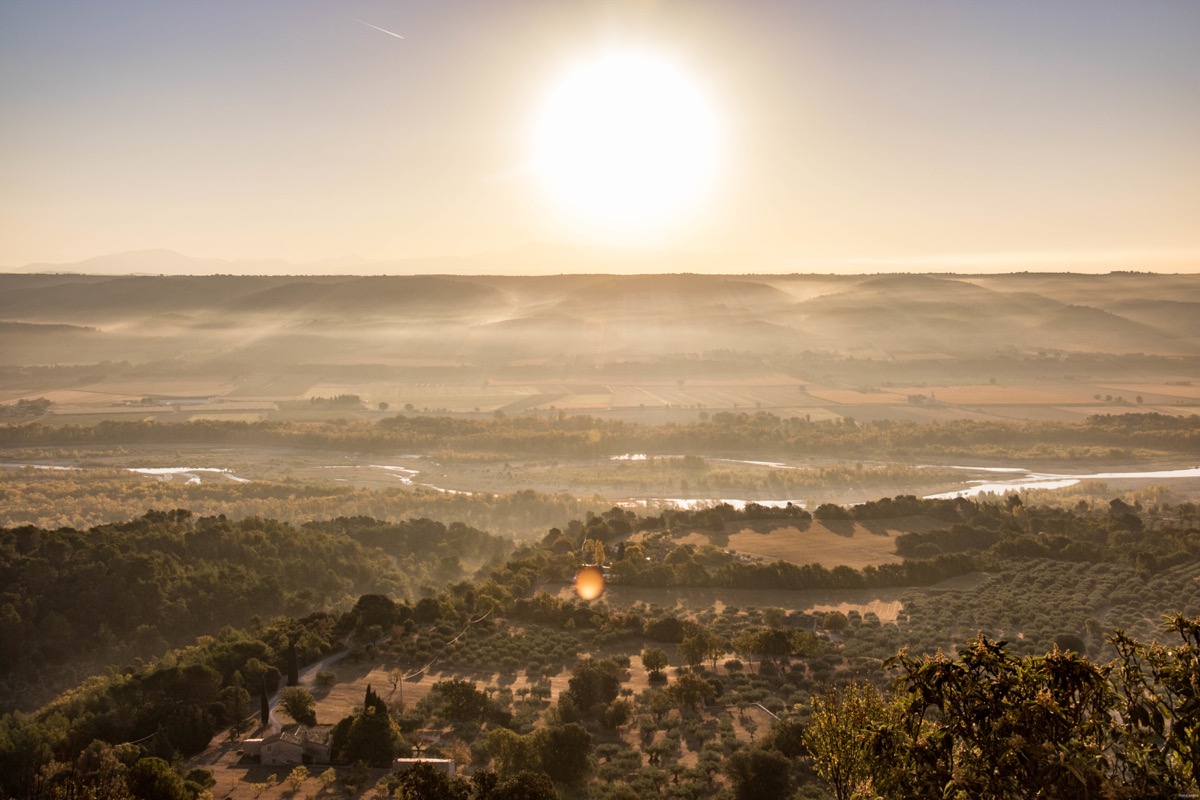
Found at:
<point>603,400</point>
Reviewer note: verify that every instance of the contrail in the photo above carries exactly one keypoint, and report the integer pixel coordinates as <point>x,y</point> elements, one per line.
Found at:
<point>381,30</point>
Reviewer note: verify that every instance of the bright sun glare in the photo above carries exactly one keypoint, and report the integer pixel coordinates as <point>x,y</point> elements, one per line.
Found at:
<point>626,141</point>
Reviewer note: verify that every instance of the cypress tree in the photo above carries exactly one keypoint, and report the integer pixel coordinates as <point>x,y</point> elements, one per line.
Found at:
<point>265,710</point>
<point>293,666</point>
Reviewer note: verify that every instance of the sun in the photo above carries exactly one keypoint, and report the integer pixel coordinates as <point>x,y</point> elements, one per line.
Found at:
<point>625,141</point>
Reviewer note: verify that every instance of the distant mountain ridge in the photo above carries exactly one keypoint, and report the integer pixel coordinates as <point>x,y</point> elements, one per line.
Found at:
<point>483,319</point>
<point>540,258</point>
<point>169,262</point>
<point>533,259</point>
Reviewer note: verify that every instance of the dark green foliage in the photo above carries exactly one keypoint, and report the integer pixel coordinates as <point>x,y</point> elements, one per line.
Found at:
<point>177,706</point>
<point>987,724</point>
<point>375,609</point>
<point>957,538</point>
<point>418,543</point>
<point>297,702</point>
<point>264,703</point>
<point>370,735</point>
<point>1159,686</point>
<point>128,590</point>
<point>338,401</point>
<point>690,690</point>
<point>483,783</point>
<point>563,752</point>
<point>1129,573</point>
<point>827,512</point>
<point>25,407</point>
<point>593,682</point>
<point>293,665</point>
<point>426,782</point>
<point>25,745</point>
<point>457,701</point>
<point>153,779</point>
<point>654,659</point>
<point>523,786</point>
<point>170,709</point>
<point>673,565</point>
<point>201,777</point>
<point>761,432</point>
<point>788,738</point>
<point>119,591</point>
<point>1042,600</point>
<point>783,575</point>
<point>667,629</point>
<point>617,714</point>
<point>758,773</point>
<point>427,610</point>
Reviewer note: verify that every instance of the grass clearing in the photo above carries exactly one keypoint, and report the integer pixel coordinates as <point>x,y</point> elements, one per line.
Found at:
<point>830,544</point>
<point>854,545</point>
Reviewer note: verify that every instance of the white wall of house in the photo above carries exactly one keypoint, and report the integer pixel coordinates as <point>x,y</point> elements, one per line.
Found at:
<point>281,753</point>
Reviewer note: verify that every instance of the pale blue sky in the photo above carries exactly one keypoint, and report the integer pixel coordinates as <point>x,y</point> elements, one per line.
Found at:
<point>855,135</point>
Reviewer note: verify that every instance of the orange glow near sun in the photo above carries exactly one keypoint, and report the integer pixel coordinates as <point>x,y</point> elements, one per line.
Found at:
<point>589,583</point>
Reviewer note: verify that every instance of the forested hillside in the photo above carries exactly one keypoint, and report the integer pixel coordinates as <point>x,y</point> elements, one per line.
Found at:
<point>73,602</point>
<point>1053,583</point>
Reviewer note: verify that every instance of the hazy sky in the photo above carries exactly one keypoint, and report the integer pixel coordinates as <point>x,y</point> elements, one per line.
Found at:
<point>849,135</point>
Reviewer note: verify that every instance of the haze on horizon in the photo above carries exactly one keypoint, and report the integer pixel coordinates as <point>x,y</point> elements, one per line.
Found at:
<point>818,136</point>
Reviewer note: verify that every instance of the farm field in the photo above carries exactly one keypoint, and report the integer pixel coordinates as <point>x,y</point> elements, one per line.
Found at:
<point>640,401</point>
<point>646,348</point>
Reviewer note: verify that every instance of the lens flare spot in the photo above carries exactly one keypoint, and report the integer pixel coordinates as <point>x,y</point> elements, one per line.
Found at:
<point>589,583</point>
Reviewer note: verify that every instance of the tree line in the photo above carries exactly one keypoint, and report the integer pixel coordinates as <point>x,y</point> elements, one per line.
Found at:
<point>586,436</point>
<point>74,600</point>
<point>88,497</point>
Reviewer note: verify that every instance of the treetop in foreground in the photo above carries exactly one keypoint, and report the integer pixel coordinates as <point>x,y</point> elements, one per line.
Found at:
<point>988,724</point>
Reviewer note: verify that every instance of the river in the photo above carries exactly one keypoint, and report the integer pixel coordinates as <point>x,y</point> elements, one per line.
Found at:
<point>977,480</point>
<point>1028,479</point>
